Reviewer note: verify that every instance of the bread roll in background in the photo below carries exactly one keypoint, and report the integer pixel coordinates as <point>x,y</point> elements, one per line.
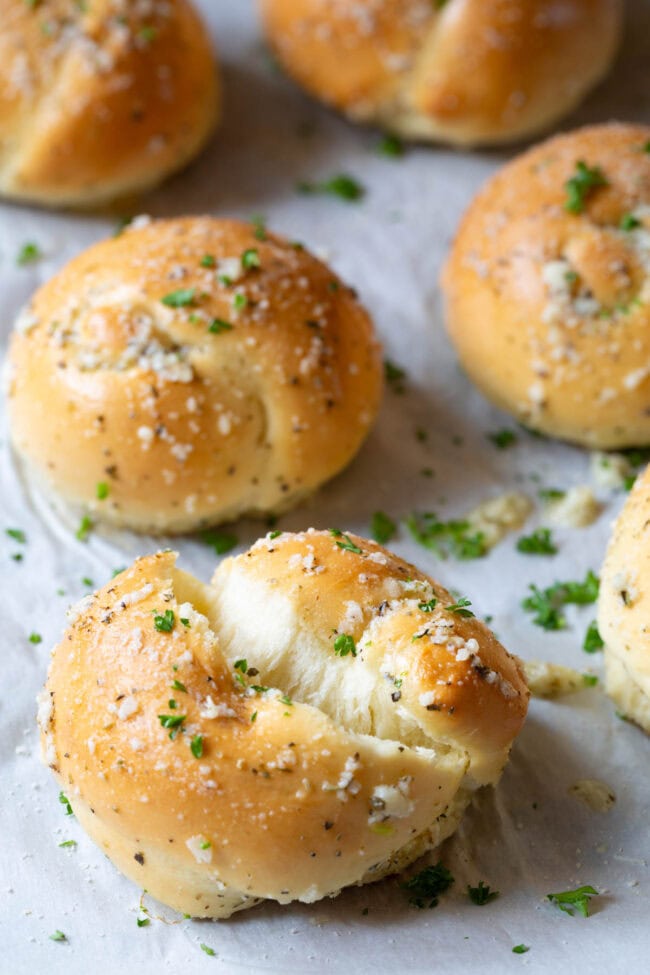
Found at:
<point>469,72</point>
<point>100,99</point>
<point>191,371</point>
<point>330,710</point>
<point>624,607</point>
<point>547,287</point>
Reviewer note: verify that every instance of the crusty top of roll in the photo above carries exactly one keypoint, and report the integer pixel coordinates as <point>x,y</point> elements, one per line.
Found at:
<point>269,786</point>
<point>199,368</point>
<point>548,294</point>
<point>466,71</point>
<point>624,605</point>
<point>100,99</point>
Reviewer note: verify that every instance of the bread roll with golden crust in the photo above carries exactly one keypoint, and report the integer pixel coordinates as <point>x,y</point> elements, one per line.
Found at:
<point>547,287</point>
<point>194,371</point>
<point>329,713</point>
<point>468,72</point>
<point>100,99</point>
<point>624,607</point>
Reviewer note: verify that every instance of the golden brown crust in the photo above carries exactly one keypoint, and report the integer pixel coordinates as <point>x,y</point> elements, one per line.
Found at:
<point>100,100</point>
<point>259,386</point>
<point>465,71</point>
<point>624,606</point>
<point>260,795</point>
<point>550,309</point>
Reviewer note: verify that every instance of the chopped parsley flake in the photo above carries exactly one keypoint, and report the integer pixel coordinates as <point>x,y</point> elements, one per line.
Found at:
<point>391,145</point>
<point>28,254</point>
<point>178,686</point>
<point>208,260</point>
<point>179,299</point>
<point>629,222</point>
<point>551,494</point>
<point>102,490</point>
<point>221,542</point>
<point>426,886</point>
<point>570,901</point>
<point>590,680</point>
<point>173,722</point>
<point>539,543</point>
<point>394,376</point>
<point>446,538</point>
<point>429,605</point>
<point>578,187</point>
<point>196,746</point>
<point>344,644</point>
<point>250,259</point>
<point>382,528</point>
<point>460,608</point>
<point>253,717</point>
<point>259,228</point>
<point>503,438</point>
<point>68,844</point>
<point>482,894</point>
<point>84,529</point>
<point>58,936</point>
<point>344,186</point>
<point>63,799</point>
<point>35,638</point>
<point>164,622</point>
<point>546,604</point>
<point>207,949</point>
<point>239,301</point>
<point>17,534</point>
<point>520,949</point>
<point>593,641</point>
<point>347,544</point>
<point>143,922</point>
<point>219,325</point>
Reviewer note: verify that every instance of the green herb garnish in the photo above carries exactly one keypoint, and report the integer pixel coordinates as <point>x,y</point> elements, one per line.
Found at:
<point>584,181</point>
<point>482,894</point>
<point>546,604</point>
<point>593,640</point>
<point>58,936</point>
<point>28,254</point>
<point>539,543</point>
<point>344,644</point>
<point>250,259</point>
<point>520,949</point>
<point>219,325</point>
<point>344,186</point>
<point>196,746</point>
<point>426,886</point>
<point>347,544</point>
<point>571,901</point>
<point>394,376</point>
<point>221,542</point>
<point>460,608</point>
<point>164,622</point>
<point>63,799</point>
<point>382,528</point>
<point>179,299</point>
<point>503,438</point>
<point>84,529</point>
<point>456,537</point>
<point>102,490</point>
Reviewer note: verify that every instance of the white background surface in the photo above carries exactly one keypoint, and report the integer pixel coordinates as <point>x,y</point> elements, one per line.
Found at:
<point>390,246</point>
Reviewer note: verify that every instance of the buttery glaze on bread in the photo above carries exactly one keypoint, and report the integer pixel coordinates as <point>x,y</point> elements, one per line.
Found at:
<point>624,607</point>
<point>197,369</point>
<point>461,71</point>
<point>548,287</point>
<point>318,716</point>
<point>100,99</point>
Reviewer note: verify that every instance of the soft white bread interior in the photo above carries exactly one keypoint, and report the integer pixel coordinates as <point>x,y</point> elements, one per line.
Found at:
<point>461,71</point>
<point>624,607</point>
<point>547,287</point>
<point>330,714</point>
<point>100,99</point>
<point>191,371</point>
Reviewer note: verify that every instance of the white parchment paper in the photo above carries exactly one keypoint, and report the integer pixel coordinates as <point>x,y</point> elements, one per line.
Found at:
<point>527,838</point>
